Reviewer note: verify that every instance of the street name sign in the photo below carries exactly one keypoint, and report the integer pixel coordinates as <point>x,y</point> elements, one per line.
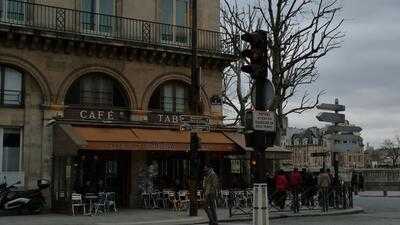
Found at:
<point>331,117</point>
<point>343,129</point>
<point>264,121</point>
<point>195,119</point>
<point>331,107</point>
<point>195,123</point>
<point>197,128</point>
<point>319,154</point>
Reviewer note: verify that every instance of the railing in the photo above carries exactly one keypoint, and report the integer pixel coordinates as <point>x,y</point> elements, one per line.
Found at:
<point>341,197</point>
<point>134,31</point>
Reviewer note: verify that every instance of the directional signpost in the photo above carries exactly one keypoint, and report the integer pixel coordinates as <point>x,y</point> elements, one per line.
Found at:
<point>331,107</point>
<point>331,117</point>
<point>343,129</point>
<point>336,131</point>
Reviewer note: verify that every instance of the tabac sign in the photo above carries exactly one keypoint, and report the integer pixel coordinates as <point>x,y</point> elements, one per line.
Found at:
<point>96,114</point>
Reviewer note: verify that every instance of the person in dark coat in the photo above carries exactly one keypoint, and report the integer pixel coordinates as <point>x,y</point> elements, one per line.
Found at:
<point>281,185</point>
<point>295,180</point>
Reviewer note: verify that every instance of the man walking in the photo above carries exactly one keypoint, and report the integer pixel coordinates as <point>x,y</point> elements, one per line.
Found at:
<point>210,187</point>
<point>324,182</point>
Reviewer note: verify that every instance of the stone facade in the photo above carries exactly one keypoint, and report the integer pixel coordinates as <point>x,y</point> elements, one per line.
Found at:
<point>51,64</point>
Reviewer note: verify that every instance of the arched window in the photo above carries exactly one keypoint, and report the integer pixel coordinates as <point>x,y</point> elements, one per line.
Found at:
<point>96,90</point>
<point>172,96</point>
<point>11,87</point>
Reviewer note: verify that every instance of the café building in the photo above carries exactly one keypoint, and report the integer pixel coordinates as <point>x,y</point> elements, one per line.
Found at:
<point>92,95</point>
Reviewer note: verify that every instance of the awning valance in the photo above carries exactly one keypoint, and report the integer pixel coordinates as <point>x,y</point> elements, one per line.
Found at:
<point>141,139</point>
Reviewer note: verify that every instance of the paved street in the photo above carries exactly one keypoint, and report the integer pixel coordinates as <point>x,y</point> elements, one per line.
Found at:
<point>378,211</point>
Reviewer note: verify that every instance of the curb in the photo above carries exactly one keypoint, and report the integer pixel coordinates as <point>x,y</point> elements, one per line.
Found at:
<point>275,217</point>
<point>378,196</point>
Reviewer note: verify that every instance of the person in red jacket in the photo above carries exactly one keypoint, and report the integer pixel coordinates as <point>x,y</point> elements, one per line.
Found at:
<point>281,185</point>
<point>295,186</point>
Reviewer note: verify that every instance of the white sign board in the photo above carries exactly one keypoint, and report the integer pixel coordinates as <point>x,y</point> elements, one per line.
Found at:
<point>235,166</point>
<point>264,121</point>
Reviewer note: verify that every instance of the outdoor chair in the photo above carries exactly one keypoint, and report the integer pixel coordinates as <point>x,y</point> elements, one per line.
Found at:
<point>110,201</point>
<point>225,198</point>
<point>100,206</point>
<point>172,199</point>
<point>77,202</point>
<point>183,200</point>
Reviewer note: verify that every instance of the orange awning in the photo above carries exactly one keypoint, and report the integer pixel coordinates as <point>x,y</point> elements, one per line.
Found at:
<point>139,139</point>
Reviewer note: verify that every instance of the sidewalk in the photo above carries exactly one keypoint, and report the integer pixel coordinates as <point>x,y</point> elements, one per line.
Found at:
<point>379,194</point>
<point>147,217</point>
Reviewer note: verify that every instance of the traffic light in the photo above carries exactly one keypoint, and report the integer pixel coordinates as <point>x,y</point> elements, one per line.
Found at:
<point>257,53</point>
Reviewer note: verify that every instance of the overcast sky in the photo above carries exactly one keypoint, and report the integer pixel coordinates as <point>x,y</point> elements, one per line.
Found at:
<point>364,73</point>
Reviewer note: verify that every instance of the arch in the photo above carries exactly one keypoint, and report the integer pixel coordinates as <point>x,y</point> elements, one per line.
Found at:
<point>33,71</point>
<point>76,74</point>
<point>170,77</point>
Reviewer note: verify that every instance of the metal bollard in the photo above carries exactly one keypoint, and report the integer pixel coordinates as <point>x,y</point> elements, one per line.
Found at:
<point>260,205</point>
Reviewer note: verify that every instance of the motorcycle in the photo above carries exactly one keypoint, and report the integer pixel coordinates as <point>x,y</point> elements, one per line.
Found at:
<point>30,201</point>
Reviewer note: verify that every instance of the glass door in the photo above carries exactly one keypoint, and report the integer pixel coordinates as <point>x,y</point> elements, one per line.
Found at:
<point>174,17</point>
<point>11,155</point>
<point>98,16</point>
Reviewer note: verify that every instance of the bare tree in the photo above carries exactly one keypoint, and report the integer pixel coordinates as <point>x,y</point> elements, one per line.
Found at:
<point>301,33</point>
<point>237,85</point>
<point>392,150</point>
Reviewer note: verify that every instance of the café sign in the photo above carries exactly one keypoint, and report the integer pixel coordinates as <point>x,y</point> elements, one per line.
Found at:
<point>96,114</point>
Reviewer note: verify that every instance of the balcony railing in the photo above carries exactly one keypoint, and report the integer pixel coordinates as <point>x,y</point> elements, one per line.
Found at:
<point>133,31</point>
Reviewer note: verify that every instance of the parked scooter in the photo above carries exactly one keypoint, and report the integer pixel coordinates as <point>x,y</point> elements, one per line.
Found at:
<point>30,201</point>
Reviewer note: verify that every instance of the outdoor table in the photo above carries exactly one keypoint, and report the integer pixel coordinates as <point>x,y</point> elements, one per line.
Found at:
<point>91,198</point>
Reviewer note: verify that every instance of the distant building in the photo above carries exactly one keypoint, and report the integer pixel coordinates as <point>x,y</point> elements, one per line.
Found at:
<point>315,140</point>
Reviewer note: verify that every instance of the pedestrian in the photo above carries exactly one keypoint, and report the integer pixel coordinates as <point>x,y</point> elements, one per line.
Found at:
<point>333,187</point>
<point>270,187</point>
<point>210,187</point>
<point>307,188</point>
<point>324,183</point>
<point>295,186</point>
<point>281,185</point>
<point>360,182</point>
<point>354,182</point>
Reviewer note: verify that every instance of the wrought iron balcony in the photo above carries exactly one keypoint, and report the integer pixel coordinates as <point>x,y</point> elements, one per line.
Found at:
<point>65,22</point>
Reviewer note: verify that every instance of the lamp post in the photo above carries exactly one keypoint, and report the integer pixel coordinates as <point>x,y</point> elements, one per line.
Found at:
<point>195,110</point>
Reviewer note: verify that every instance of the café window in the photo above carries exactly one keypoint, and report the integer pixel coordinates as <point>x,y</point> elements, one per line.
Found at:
<point>10,150</point>
<point>171,97</point>
<point>98,15</point>
<point>10,86</point>
<point>96,90</point>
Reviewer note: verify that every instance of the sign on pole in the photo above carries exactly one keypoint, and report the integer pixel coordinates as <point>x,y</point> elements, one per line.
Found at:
<point>269,94</point>
<point>331,107</point>
<point>319,154</point>
<point>331,117</point>
<point>343,129</point>
<point>264,121</point>
<point>195,123</point>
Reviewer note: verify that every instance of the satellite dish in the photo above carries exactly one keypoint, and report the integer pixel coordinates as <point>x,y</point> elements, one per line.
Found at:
<point>269,94</point>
